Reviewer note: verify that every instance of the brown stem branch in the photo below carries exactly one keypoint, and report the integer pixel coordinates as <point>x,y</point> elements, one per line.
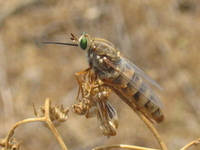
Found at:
<point>46,119</point>
<point>51,125</point>
<point>9,135</point>
<point>122,146</point>
<point>195,142</point>
<point>151,127</point>
<point>144,119</point>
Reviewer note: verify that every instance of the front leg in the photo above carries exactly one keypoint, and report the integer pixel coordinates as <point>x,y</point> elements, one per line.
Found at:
<point>80,79</point>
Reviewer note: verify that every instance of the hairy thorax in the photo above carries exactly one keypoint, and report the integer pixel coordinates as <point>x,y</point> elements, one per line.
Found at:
<point>98,54</point>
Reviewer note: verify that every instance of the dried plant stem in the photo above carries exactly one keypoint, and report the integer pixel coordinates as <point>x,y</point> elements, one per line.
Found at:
<point>144,119</point>
<point>151,127</point>
<point>11,132</point>
<point>46,119</point>
<point>122,146</point>
<point>51,125</point>
<point>195,142</point>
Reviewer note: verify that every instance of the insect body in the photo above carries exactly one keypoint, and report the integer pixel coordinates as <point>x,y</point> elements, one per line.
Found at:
<point>120,75</point>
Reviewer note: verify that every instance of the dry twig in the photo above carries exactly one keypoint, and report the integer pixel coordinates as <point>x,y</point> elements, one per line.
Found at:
<point>195,142</point>
<point>146,121</point>
<point>122,146</point>
<point>50,114</point>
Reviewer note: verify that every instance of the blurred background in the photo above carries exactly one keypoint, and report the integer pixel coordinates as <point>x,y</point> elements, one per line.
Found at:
<point>161,37</point>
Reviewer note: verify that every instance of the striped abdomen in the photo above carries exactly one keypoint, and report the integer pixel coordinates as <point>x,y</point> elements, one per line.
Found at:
<point>139,97</point>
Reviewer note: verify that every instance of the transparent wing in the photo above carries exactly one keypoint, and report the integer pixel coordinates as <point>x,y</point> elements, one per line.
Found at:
<point>138,73</point>
<point>141,73</point>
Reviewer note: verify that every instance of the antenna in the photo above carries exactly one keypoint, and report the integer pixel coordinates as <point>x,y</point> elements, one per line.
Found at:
<point>60,43</point>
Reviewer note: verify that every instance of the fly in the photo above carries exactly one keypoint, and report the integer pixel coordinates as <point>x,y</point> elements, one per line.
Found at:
<point>120,75</point>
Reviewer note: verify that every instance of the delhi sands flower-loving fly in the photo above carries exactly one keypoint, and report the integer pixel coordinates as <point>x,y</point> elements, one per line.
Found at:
<point>122,76</point>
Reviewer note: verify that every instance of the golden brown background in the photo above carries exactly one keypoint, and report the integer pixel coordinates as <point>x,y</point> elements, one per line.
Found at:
<point>161,37</point>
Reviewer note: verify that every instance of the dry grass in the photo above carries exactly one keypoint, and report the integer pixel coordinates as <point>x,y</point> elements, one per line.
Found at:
<point>161,37</point>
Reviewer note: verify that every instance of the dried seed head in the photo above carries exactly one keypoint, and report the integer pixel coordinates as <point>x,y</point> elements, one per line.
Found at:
<point>40,112</point>
<point>85,107</point>
<point>79,108</point>
<point>94,102</point>
<point>16,146</point>
<point>58,113</point>
<point>108,118</point>
<point>108,128</point>
<point>13,144</point>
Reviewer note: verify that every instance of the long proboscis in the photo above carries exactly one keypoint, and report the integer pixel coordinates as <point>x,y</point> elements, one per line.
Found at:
<point>70,44</point>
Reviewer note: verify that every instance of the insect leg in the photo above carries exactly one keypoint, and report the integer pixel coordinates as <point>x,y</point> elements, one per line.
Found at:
<point>79,80</point>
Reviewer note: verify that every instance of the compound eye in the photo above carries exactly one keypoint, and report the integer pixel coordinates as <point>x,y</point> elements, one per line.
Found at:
<point>83,43</point>
<point>83,33</point>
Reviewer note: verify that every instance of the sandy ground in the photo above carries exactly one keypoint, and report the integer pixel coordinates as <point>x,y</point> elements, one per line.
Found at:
<point>161,37</point>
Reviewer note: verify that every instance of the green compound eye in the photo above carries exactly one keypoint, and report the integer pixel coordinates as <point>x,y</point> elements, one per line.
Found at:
<point>83,33</point>
<point>83,43</point>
